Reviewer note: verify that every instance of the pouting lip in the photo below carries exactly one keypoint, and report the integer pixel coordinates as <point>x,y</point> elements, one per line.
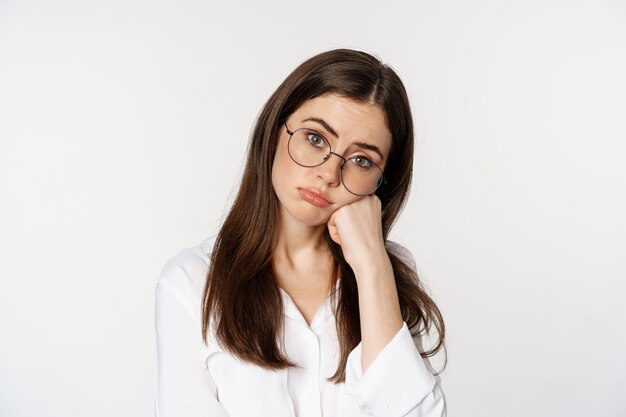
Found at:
<point>316,192</point>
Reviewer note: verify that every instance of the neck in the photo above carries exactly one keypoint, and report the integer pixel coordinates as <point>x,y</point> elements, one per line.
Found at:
<point>297,245</point>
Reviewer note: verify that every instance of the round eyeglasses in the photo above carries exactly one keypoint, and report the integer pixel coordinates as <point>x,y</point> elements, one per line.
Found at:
<point>359,174</point>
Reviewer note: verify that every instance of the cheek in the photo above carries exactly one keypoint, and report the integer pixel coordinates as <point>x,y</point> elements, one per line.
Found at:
<point>283,169</point>
<point>347,199</point>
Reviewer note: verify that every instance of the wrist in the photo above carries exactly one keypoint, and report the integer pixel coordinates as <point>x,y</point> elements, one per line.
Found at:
<point>373,267</point>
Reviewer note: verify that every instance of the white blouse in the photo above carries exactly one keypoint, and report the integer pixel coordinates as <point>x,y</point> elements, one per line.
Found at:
<point>195,380</point>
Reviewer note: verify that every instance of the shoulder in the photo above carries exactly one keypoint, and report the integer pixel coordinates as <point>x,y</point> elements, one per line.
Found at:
<point>184,275</point>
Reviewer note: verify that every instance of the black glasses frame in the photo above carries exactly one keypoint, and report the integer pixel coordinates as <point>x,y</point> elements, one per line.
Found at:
<point>381,181</point>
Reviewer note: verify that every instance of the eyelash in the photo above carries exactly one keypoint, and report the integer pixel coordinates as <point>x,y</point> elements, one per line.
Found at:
<point>369,161</point>
<point>316,136</point>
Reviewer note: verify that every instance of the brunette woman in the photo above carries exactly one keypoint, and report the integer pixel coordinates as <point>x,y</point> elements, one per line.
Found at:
<point>300,305</point>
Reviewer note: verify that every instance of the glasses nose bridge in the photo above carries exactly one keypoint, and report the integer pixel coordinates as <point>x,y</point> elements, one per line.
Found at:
<point>327,157</point>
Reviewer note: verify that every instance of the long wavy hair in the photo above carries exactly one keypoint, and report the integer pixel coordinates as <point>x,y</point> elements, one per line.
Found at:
<point>241,295</point>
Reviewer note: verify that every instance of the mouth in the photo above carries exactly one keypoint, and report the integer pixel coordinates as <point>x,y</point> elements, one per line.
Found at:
<point>314,197</point>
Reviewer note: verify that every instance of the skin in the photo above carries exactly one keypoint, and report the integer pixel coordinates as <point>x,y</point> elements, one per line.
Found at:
<point>301,257</point>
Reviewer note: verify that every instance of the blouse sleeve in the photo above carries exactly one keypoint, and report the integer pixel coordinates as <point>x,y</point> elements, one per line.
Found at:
<point>397,383</point>
<point>184,386</point>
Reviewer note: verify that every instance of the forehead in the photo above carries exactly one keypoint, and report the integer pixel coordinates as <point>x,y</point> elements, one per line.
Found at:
<point>352,121</point>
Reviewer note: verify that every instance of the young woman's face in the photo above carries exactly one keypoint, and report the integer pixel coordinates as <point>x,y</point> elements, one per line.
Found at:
<point>352,122</point>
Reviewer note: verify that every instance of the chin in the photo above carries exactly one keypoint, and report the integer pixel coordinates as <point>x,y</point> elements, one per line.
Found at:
<point>310,216</point>
<point>312,219</point>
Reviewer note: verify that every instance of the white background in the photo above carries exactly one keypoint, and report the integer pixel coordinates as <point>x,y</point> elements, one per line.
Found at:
<point>123,126</point>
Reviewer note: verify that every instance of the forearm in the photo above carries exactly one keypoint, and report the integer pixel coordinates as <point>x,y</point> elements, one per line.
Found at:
<point>379,306</point>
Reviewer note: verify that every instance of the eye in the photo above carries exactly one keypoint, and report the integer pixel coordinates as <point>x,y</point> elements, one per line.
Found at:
<point>315,139</point>
<point>361,161</point>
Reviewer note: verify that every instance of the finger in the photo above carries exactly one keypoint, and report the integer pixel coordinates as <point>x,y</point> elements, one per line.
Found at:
<point>332,231</point>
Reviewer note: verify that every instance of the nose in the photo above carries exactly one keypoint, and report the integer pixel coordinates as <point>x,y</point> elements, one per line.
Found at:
<point>330,169</point>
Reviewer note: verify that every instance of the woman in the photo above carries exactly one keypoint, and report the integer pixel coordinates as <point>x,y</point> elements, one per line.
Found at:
<point>300,306</point>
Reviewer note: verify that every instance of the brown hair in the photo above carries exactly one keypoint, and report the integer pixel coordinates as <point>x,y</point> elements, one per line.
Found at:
<point>241,294</point>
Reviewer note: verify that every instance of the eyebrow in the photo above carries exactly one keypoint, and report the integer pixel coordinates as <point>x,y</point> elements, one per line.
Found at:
<point>332,131</point>
<point>323,123</point>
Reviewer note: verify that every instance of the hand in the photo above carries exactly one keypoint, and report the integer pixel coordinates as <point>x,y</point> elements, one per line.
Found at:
<point>357,227</point>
